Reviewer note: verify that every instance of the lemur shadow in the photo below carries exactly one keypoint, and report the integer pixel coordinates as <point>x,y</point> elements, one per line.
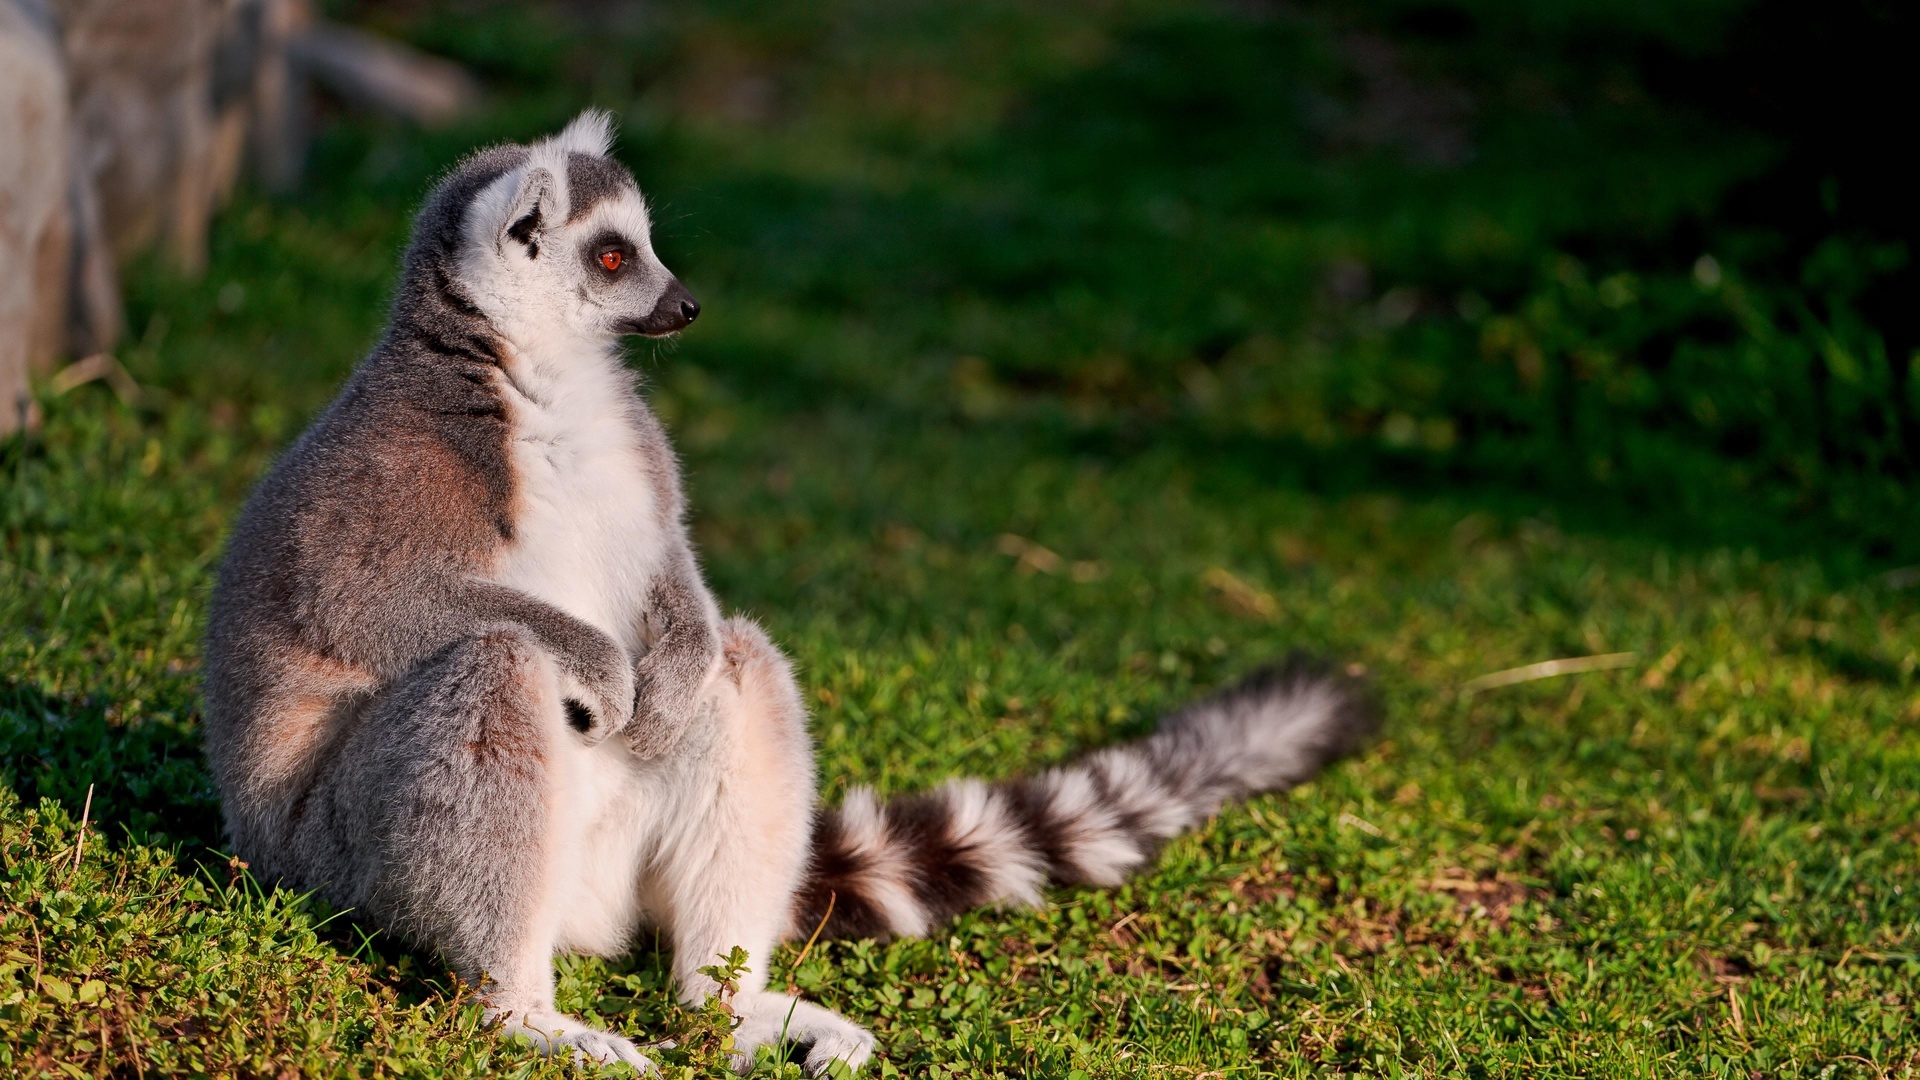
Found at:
<point>146,773</point>
<point>149,785</point>
<point>633,992</point>
<point>144,779</point>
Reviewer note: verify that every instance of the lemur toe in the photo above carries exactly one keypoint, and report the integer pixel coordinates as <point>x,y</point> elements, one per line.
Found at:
<point>852,1049</point>
<point>609,1049</point>
<point>772,1019</point>
<point>603,1048</point>
<point>555,1034</point>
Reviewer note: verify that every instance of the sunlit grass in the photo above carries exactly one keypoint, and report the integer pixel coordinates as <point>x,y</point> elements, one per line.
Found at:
<point>1017,430</point>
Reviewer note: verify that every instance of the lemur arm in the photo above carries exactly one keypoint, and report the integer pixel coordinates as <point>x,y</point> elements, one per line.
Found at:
<point>683,621</point>
<point>587,656</point>
<point>387,631</point>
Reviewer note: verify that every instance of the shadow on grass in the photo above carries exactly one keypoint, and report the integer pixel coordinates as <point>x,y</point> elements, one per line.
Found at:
<point>1148,212</point>
<point>1855,665</point>
<point>1684,512</point>
<point>147,775</point>
<point>149,784</point>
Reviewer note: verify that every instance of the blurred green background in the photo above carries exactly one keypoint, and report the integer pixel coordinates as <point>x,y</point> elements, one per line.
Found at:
<point>1650,260</point>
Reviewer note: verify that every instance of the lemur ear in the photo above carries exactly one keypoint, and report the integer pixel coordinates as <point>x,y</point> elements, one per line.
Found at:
<point>533,209</point>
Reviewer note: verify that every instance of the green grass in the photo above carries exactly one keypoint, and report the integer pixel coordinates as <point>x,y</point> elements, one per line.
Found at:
<point>1058,366</point>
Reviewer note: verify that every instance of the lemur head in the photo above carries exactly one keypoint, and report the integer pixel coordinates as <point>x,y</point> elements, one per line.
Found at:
<point>560,242</point>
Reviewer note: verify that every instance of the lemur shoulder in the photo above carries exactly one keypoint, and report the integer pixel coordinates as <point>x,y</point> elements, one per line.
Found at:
<point>463,674</point>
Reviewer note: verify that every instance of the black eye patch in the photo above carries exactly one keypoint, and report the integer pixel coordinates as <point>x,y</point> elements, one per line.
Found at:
<point>608,253</point>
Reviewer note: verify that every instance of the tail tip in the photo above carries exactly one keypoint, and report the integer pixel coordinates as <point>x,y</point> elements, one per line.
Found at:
<point>1357,717</point>
<point>1351,720</point>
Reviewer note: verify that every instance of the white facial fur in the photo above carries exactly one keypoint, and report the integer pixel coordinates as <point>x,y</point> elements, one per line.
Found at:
<point>533,269</point>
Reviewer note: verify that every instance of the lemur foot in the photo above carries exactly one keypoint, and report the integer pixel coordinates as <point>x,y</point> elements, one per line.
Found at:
<point>556,1033</point>
<point>770,1019</point>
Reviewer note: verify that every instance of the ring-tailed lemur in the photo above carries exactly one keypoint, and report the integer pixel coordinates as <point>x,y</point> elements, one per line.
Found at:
<point>464,677</point>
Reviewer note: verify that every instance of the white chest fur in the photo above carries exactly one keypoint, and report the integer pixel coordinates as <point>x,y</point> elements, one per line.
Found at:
<point>588,533</point>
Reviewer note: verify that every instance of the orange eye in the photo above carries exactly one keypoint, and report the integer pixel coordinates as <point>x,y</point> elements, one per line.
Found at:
<point>610,259</point>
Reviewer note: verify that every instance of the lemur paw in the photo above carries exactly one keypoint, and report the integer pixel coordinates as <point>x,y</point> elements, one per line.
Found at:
<point>599,700</point>
<point>770,1019</point>
<point>670,684</point>
<point>556,1033</point>
<point>658,722</point>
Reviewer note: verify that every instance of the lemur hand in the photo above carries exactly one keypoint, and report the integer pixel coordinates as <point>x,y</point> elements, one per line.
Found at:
<point>597,688</point>
<point>670,679</point>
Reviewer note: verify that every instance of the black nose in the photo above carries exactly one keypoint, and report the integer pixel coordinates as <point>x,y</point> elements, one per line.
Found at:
<point>675,310</point>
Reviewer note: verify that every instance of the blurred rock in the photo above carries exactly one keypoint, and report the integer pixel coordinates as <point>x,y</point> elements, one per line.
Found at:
<point>375,73</point>
<point>141,75</point>
<point>125,125</point>
<point>33,217</point>
<point>279,125</point>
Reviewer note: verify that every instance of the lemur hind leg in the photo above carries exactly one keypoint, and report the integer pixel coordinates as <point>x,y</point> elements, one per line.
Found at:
<point>455,775</point>
<point>730,866</point>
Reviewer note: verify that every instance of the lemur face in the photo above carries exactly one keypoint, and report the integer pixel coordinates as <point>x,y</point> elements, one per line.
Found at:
<point>566,237</point>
